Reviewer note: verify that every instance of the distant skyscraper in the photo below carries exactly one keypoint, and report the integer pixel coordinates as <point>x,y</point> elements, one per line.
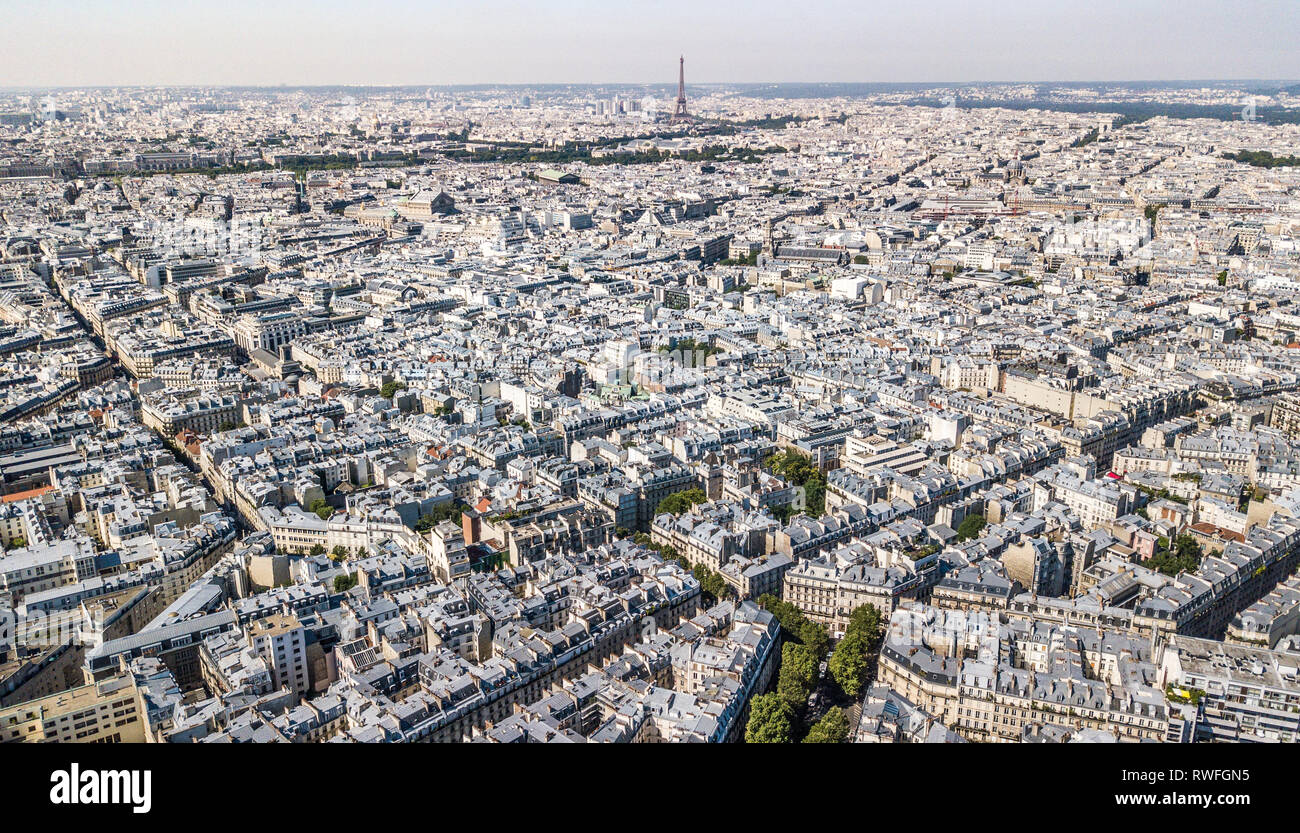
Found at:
<point>679,113</point>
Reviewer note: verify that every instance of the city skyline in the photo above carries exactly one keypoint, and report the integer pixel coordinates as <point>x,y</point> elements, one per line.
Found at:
<point>402,43</point>
<point>675,375</point>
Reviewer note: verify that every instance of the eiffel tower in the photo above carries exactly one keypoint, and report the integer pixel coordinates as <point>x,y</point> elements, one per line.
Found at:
<point>679,112</point>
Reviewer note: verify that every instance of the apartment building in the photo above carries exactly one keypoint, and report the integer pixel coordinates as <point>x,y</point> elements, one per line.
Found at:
<point>105,711</point>
<point>281,641</point>
<point>1241,693</point>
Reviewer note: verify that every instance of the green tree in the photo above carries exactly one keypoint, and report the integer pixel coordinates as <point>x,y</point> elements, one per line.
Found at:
<point>798,675</point>
<point>322,508</point>
<point>832,728</point>
<point>1263,159</point>
<point>849,664</point>
<point>867,622</point>
<point>814,636</point>
<point>391,388</point>
<point>970,527</point>
<point>798,469</point>
<point>796,626</point>
<point>1182,555</point>
<point>439,513</point>
<point>339,552</point>
<point>770,720</point>
<point>679,502</point>
<point>1151,212</point>
<point>712,583</point>
<point>344,582</point>
<point>317,549</point>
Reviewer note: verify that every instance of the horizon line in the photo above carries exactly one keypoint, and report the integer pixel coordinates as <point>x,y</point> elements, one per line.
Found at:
<point>449,85</point>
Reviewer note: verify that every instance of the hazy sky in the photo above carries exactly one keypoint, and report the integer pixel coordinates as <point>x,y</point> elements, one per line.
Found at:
<point>68,43</point>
